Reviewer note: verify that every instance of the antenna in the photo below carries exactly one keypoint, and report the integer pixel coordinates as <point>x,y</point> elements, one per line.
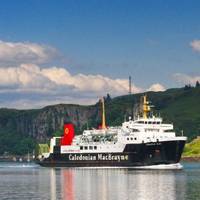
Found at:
<point>130,89</point>
<point>131,96</point>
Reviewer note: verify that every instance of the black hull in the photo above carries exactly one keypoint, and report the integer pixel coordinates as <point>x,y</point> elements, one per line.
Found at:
<point>134,155</point>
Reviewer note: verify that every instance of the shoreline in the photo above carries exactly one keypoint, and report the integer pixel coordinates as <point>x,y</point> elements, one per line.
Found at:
<point>16,158</point>
<point>191,158</point>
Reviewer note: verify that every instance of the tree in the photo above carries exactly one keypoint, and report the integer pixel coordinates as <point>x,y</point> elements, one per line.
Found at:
<point>108,98</point>
<point>187,87</point>
<point>197,84</point>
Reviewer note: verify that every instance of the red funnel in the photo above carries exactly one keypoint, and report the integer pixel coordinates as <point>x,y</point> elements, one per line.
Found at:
<point>68,134</point>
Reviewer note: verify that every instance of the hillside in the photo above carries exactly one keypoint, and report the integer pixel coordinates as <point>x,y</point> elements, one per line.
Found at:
<point>192,149</point>
<point>21,129</point>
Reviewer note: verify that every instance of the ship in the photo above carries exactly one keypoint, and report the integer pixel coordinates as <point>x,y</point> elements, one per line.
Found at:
<point>144,141</point>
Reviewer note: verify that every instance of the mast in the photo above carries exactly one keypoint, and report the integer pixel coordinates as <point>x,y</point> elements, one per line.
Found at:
<point>103,125</point>
<point>130,89</point>
<point>146,107</point>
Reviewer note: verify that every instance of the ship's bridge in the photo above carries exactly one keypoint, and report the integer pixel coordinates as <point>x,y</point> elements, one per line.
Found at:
<point>153,120</point>
<point>145,124</point>
<point>141,122</point>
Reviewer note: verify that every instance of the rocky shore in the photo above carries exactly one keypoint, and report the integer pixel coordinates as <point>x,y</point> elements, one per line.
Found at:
<point>16,158</point>
<point>191,158</point>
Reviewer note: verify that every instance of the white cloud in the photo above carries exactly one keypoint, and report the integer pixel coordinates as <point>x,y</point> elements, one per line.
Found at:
<point>58,84</point>
<point>30,86</point>
<point>26,77</point>
<point>186,79</point>
<point>156,87</point>
<point>195,44</point>
<point>25,52</point>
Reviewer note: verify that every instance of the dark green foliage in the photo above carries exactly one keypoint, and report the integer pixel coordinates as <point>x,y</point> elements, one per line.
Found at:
<point>187,87</point>
<point>58,133</point>
<point>197,84</point>
<point>11,141</point>
<point>15,144</point>
<point>119,109</point>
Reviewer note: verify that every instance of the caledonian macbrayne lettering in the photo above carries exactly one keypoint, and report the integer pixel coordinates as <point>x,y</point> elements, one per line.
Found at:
<point>100,156</point>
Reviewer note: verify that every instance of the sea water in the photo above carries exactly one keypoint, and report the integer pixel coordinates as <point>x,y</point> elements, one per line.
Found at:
<point>30,181</point>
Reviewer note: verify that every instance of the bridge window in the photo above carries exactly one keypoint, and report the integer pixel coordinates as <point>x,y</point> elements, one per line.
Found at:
<point>95,147</point>
<point>170,130</point>
<point>81,147</point>
<point>135,130</point>
<point>151,129</point>
<point>90,147</point>
<point>86,148</point>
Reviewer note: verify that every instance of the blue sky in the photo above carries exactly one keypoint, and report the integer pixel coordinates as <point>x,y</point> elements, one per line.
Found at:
<point>156,42</point>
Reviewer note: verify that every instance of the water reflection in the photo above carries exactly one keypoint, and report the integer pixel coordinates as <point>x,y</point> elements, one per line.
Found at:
<point>53,184</point>
<point>67,184</point>
<point>117,184</point>
<point>21,182</point>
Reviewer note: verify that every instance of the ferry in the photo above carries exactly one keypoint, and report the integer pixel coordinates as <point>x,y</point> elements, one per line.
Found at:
<point>143,142</point>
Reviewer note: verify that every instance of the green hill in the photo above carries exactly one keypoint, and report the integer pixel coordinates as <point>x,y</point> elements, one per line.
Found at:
<point>192,149</point>
<point>20,130</point>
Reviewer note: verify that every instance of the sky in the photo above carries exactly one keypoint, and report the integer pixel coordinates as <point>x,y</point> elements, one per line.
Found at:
<point>75,51</point>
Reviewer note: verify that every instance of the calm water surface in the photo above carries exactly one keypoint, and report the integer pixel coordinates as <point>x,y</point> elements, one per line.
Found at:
<point>22,181</point>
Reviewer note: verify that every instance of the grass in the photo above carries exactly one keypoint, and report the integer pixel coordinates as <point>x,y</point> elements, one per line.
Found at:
<point>192,149</point>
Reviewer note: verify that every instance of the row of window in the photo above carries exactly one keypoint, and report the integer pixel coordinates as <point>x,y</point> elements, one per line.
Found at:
<point>88,147</point>
<point>148,122</point>
<point>130,138</point>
